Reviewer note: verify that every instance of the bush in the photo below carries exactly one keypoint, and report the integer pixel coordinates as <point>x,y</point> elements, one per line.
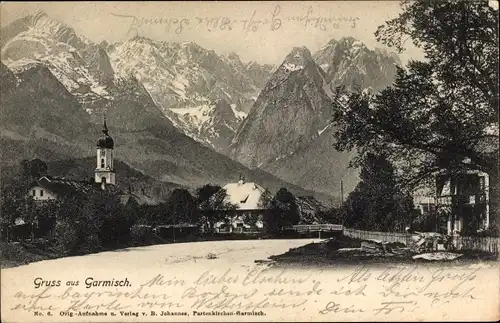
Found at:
<point>14,253</point>
<point>89,243</point>
<point>66,237</point>
<point>76,238</point>
<point>115,229</point>
<point>142,235</point>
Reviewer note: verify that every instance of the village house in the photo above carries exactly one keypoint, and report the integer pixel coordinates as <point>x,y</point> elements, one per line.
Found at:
<point>463,199</point>
<point>459,204</point>
<point>53,188</point>
<point>47,188</point>
<point>248,198</point>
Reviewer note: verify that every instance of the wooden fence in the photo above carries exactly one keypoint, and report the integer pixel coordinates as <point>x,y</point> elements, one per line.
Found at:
<point>379,236</point>
<point>315,227</point>
<point>487,244</point>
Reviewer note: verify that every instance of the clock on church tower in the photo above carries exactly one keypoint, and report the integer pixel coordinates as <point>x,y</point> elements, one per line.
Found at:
<point>104,172</point>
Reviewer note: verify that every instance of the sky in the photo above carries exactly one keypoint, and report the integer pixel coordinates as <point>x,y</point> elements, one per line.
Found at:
<point>264,31</point>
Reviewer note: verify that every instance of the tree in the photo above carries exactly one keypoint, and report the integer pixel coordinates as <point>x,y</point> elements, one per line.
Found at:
<point>270,218</point>
<point>460,40</point>
<point>88,222</point>
<point>205,192</point>
<point>70,227</point>
<point>15,202</point>
<point>181,207</point>
<point>286,204</point>
<point>281,211</point>
<point>212,202</point>
<point>376,203</point>
<point>331,215</point>
<point>438,115</point>
<point>44,214</point>
<point>32,170</point>
<point>117,219</point>
<point>12,206</point>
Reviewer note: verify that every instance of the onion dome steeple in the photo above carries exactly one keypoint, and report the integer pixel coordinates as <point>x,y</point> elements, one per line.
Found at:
<point>105,141</point>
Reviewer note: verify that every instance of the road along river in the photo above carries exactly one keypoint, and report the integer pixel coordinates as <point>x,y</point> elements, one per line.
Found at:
<point>219,281</point>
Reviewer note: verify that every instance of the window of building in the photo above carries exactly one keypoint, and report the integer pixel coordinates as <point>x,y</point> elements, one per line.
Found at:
<point>34,192</point>
<point>41,192</point>
<point>102,162</point>
<point>482,184</point>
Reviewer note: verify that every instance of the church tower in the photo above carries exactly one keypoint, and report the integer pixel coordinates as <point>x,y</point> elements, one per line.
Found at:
<point>104,172</point>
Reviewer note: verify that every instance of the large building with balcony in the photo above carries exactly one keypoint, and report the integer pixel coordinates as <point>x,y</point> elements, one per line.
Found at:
<point>463,200</point>
<point>457,204</point>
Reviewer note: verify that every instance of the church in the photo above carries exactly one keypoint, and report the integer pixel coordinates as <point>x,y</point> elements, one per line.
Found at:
<point>47,188</point>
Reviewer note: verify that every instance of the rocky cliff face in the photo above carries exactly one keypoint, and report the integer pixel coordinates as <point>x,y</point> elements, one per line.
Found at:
<point>260,74</point>
<point>189,83</point>
<point>350,63</point>
<point>7,79</point>
<point>288,113</point>
<point>317,166</point>
<point>40,25</point>
<point>288,132</point>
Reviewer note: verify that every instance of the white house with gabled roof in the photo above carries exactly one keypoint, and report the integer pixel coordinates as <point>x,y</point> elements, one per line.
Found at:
<point>249,199</point>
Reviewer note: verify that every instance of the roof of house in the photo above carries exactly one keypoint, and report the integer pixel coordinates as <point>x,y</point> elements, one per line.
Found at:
<point>245,195</point>
<point>61,186</point>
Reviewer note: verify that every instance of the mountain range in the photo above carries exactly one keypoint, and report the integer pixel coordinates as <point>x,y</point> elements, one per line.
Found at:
<point>177,109</point>
<point>288,131</point>
<point>53,97</point>
<point>204,94</point>
<point>290,109</point>
<point>348,62</point>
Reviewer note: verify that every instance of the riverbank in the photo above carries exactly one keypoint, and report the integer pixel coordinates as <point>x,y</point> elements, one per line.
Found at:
<point>345,251</point>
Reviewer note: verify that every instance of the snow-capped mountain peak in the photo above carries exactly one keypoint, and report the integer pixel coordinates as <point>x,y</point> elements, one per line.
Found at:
<point>289,112</point>
<point>299,57</point>
<point>81,66</point>
<point>188,81</point>
<point>351,63</point>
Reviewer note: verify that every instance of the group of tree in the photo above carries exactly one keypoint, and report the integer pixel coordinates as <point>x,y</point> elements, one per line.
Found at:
<point>88,223</point>
<point>281,210</point>
<point>213,205</point>
<point>439,116</point>
<point>377,203</point>
<point>83,222</point>
<point>14,203</point>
